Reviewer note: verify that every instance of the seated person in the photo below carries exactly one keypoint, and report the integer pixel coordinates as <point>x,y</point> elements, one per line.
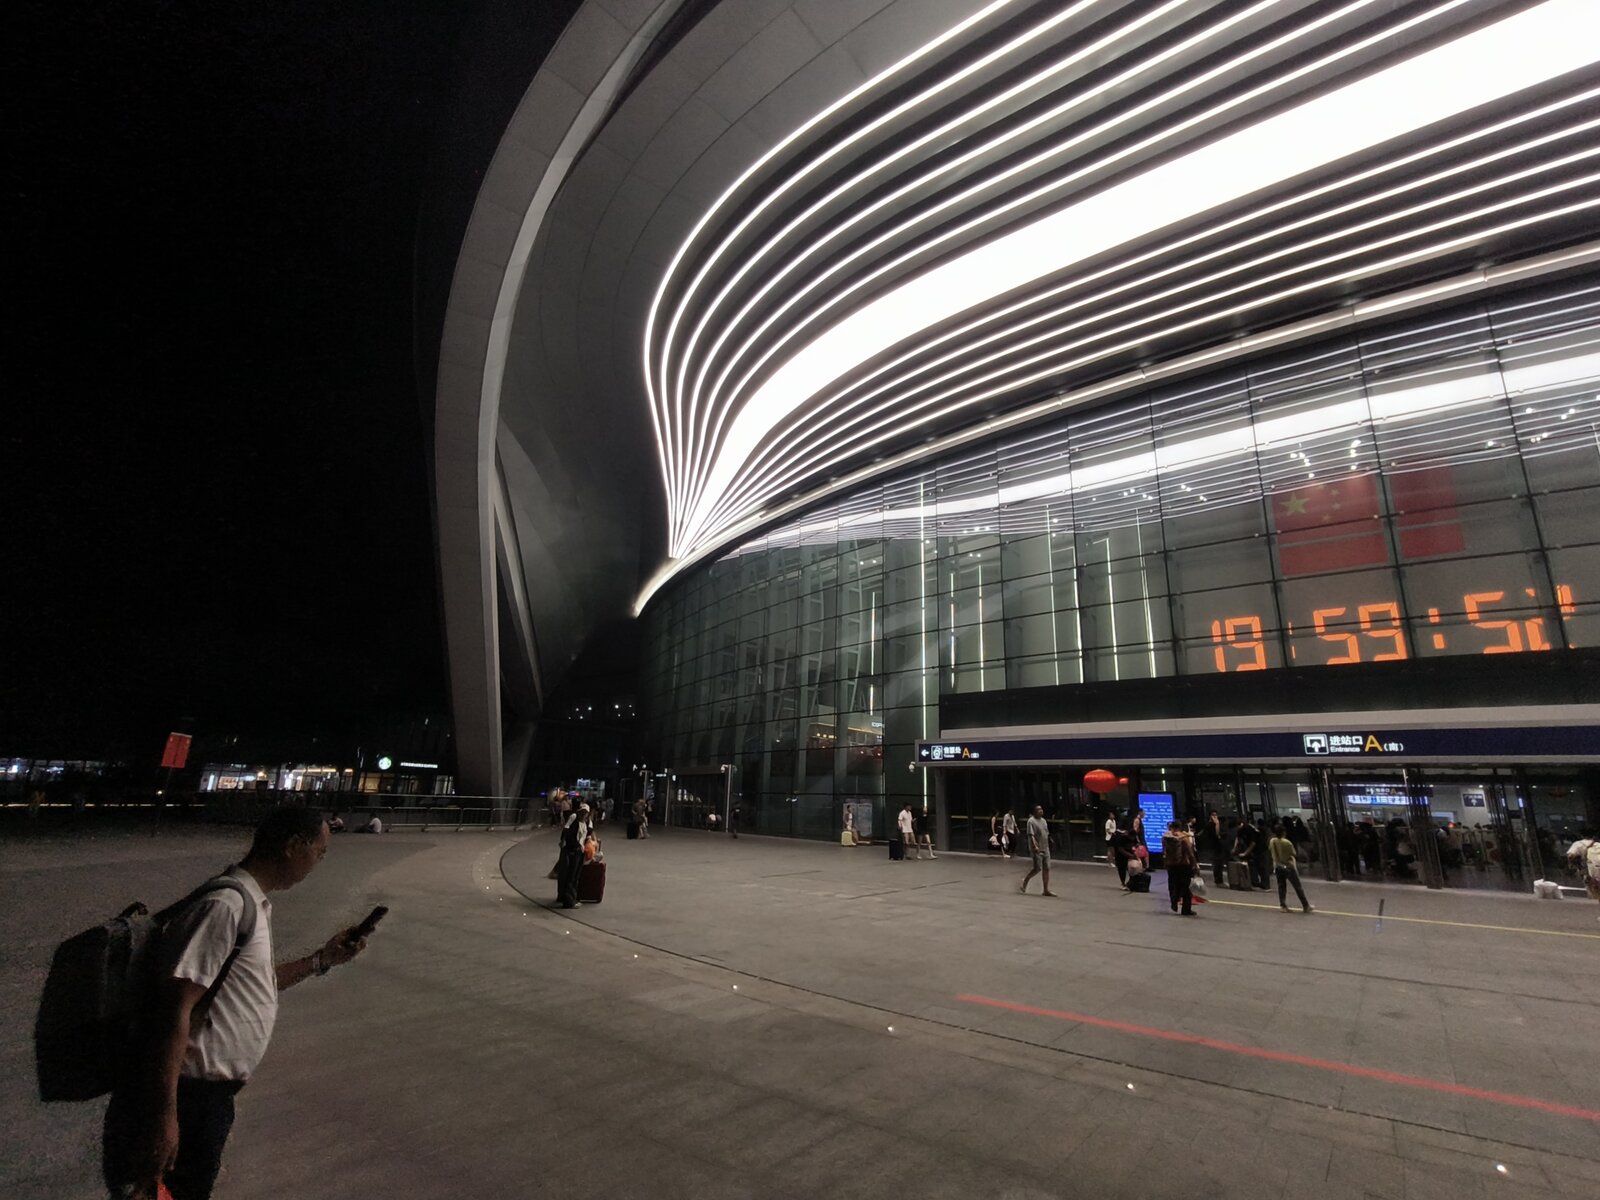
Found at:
<point>374,825</point>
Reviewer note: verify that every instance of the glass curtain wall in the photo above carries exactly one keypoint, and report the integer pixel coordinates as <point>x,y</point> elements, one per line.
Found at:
<point>1419,491</point>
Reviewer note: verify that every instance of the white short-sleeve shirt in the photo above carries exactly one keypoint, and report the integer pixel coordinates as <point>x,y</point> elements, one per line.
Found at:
<point>905,821</point>
<point>229,1039</point>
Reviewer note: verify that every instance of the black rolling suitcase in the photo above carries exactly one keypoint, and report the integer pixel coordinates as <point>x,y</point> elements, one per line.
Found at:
<point>1139,881</point>
<point>592,883</point>
<point>897,849</point>
<point>1239,875</point>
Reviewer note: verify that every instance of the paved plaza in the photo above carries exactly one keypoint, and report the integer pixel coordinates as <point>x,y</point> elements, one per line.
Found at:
<point>764,1018</point>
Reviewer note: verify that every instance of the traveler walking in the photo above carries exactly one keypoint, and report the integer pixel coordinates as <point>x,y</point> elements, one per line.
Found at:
<point>924,832</point>
<point>1178,853</point>
<point>168,1120</point>
<point>1038,848</point>
<point>907,827</point>
<point>1008,832</point>
<point>1286,869</point>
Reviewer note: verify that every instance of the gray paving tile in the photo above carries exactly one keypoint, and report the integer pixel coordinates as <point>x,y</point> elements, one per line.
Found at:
<point>482,1036</point>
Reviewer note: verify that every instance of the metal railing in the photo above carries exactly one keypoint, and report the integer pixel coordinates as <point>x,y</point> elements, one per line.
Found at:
<point>396,812</point>
<point>247,807</point>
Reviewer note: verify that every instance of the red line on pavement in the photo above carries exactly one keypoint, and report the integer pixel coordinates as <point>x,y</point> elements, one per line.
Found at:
<point>1299,1060</point>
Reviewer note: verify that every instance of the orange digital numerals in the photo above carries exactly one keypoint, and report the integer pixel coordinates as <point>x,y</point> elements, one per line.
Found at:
<point>1513,629</point>
<point>1366,615</point>
<point>1239,633</point>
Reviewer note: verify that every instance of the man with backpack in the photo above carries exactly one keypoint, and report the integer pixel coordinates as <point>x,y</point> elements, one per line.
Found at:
<point>170,1114</point>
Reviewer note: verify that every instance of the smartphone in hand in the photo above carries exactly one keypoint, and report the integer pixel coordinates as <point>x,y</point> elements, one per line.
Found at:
<point>368,924</point>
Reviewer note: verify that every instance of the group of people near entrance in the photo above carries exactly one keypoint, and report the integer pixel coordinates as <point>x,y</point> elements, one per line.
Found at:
<point>1242,843</point>
<point>912,828</point>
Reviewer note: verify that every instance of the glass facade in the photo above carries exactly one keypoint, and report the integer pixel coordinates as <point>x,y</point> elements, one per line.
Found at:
<point>1414,492</point>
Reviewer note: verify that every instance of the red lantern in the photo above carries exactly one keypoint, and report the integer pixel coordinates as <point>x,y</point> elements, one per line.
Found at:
<point>1099,781</point>
<point>1123,780</point>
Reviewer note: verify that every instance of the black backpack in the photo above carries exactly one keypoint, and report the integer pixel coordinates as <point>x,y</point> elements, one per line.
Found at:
<point>99,986</point>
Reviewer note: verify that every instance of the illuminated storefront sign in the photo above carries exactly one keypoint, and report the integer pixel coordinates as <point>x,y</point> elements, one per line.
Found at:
<point>1380,798</point>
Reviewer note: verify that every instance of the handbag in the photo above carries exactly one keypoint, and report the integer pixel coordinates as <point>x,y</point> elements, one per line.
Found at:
<point>994,839</point>
<point>1197,884</point>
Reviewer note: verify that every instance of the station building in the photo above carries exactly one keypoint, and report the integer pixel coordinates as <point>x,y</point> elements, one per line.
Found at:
<point>970,397</point>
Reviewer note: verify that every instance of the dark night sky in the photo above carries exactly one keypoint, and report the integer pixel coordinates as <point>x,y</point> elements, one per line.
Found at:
<point>216,500</point>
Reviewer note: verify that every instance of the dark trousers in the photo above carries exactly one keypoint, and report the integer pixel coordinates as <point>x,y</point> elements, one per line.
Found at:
<point>1219,864</point>
<point>1122,866</point>
<point>1286,876</point>
<point>1179,889</point>
<point>568,871</point>
<point>1258,872</point>
<point>205,1115</point>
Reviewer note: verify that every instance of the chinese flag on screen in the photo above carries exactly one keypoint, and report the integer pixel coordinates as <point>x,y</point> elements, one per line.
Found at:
<point>1330,526</point>
<point>1426,516</point>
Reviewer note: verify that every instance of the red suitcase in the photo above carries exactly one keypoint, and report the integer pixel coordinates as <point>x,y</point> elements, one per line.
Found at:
<point>592,883</point>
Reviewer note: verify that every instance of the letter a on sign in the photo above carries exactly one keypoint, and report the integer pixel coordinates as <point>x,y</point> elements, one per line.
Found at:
<point>1373,744</point>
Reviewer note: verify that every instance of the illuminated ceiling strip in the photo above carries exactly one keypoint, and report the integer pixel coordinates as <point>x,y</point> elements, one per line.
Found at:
<point>894,428</point>
<point>920,184</point>
<point>1511,55</point>
<point>1209,235</point>
<point>1444,396</point>
<point>707,438</point>
<point>1377,308</point>
<point>774,478</point>
<point>1035,194</point>
<point>948,36</point>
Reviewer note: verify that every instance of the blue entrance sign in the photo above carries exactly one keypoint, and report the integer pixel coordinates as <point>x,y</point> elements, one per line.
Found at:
<point>1524,743</point>
<point>1158,813</point>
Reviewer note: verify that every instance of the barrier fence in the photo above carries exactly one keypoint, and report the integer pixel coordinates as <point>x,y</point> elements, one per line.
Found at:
<point>396,812</point>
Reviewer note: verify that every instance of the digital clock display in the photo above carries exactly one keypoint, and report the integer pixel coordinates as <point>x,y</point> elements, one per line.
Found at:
<point>1376,628</point>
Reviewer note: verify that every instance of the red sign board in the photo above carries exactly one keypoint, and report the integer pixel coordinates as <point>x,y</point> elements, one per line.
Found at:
<point>177,751</point>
